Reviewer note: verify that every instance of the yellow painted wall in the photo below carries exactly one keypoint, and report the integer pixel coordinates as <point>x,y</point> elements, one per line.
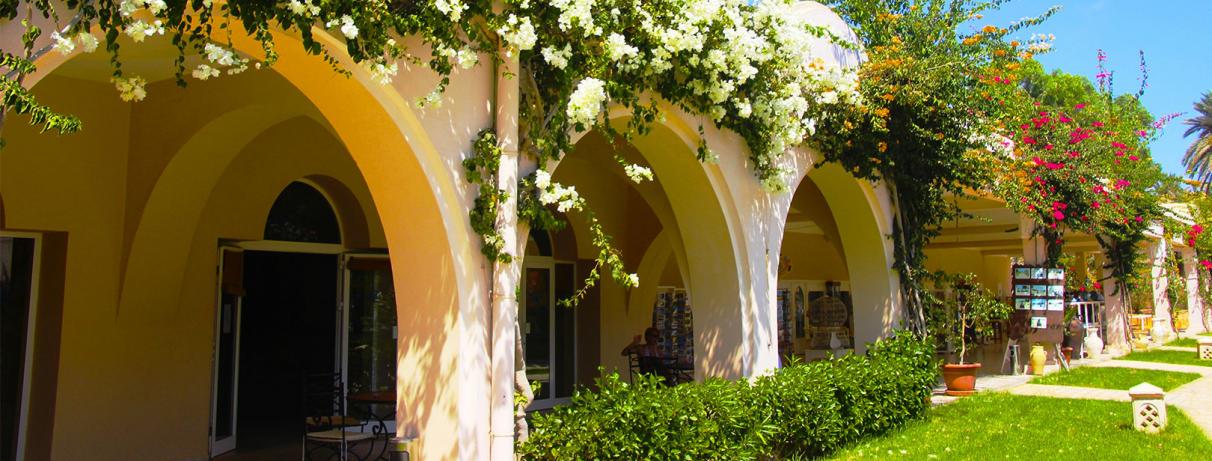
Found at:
<point>144,193</point>
<point>993,271</point>
<point>813,257</point>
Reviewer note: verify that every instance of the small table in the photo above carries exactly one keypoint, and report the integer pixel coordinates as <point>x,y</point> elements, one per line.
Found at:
<point>372,398</point>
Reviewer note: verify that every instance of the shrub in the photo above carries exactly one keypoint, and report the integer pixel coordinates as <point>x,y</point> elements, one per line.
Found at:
<point>799,411</point>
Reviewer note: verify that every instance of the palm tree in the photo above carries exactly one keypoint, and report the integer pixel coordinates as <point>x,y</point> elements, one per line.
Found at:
<point>1198,158</point>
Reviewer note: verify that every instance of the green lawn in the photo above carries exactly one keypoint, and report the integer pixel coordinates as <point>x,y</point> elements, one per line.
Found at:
<point>1184,342</point>
<point>1116,378</point>
<point>1178,357</point>
<point>1206,334</point>
<point>1001,426</point>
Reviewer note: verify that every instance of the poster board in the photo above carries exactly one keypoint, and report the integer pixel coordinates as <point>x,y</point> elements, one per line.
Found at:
<point>1039,303</point>
<point>811,313</point>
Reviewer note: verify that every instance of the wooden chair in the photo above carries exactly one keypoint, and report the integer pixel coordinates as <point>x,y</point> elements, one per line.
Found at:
<point>326,426</point>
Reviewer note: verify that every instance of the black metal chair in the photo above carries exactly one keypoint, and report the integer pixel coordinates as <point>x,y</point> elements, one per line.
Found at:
<point>633,365</point>
<point>327,428</point>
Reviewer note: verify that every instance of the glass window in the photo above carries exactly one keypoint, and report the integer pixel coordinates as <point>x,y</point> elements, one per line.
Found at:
<point>302,214</point>
<point>372,331</point>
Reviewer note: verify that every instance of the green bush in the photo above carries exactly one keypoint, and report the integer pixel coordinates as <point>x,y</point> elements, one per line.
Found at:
<point>800,411</point>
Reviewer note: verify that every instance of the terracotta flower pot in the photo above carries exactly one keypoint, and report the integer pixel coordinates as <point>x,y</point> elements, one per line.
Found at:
<point>1068,351</point>
<point>960,379</point>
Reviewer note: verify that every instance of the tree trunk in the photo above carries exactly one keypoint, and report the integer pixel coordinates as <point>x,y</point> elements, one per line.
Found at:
<point>521,384</point>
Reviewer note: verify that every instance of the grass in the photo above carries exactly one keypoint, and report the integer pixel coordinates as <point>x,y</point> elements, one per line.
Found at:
<point>1002,426</point>
<point>1206,334</point>
<point>1117,378</point>
<point>1176,357</point>
<point>1184,342</point>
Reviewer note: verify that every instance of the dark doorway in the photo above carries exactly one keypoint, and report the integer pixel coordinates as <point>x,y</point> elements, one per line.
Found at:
<point>16,281</point>
<point>288,328</point>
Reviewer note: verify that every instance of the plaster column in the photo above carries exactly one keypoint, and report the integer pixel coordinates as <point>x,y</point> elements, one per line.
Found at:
<point>1159,279</point>
<point>1035,251</point>
<point>505,275</point>
<point>1195,304</point>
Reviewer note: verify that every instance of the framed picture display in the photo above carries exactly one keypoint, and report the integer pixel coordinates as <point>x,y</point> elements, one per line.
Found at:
<point>1039,302</point>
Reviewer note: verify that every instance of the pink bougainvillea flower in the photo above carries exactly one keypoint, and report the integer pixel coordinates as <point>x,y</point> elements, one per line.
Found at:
<point>1048,147</point>
<point>1080,106</point>
<point>1095,204</point>
<point>1122,183</point>
<point>1057,215</point>
<point>1098,286</point>
<point>1064,119</point>
<point>1133,158</point>
<point>1038,161</point>
<point>1118,145</point>
<point>1054,165</point>
<point>1139,218</point>
<point>1028,140</point>
<point>1207,264</point>
<point>1197,229</point>
<point>1097,124</point>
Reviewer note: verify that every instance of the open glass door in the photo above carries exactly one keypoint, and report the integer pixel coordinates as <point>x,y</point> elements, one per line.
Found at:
<point>19,267</point>
<point>226,359</point>
<point>371,335</point>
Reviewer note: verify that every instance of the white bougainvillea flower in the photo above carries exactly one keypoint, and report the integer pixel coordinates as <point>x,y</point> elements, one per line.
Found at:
<point>204,72</point>
<point>452,8</point>
<point>63,45</point>
<point>637,173</point>
<point>220,55</point>
<point>557,58</point>
<point>348,28</point>
<point>296,7</point>
<point>88,43</point>
<point>140,30</point>
<point>130,88</point>
<point>542,179</point>
<point>586,101</point>
<point>617,47</point>
<point>633,280</point>
<point>519,32</point>
<point>383,73</point>
<point>467,58</point>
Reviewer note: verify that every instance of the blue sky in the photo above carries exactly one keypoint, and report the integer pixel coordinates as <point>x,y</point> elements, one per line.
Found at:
<point>1174,35</point>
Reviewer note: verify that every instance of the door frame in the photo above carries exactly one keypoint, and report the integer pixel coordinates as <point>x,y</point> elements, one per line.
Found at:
<point>343,334</point>
<point>550,263</point>
<point>217,447</point>
<point>31,322</point>
<point>273,246</point>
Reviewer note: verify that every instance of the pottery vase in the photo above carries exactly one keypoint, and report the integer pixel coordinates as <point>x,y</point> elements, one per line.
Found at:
<point>1094,344</point>
<point>1038,359</point>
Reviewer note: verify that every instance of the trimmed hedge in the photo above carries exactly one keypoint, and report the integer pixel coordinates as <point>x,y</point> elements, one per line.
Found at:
<point>800,411</point>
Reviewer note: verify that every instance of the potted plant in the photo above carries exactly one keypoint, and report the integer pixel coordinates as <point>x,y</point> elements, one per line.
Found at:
<point>965,310</point>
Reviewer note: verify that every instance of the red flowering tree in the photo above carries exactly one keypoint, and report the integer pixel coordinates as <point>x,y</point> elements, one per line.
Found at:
<point>1080,162</point>
<point>1072,169</point>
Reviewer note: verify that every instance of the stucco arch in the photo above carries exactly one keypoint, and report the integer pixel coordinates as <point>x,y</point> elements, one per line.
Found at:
<point>699,222</point>
<point>861,211</point>
<point>416,198</point>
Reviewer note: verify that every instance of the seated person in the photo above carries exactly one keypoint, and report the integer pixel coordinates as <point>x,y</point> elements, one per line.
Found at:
<point>649,352</point>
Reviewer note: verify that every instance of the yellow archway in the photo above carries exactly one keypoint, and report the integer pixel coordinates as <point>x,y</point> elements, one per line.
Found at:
<point>418,202</point>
